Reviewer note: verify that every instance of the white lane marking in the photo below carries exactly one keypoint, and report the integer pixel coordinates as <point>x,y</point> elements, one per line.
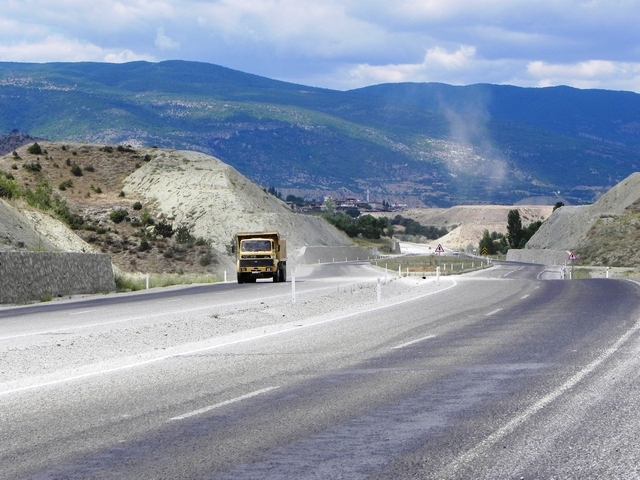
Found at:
<point>511,271</point>
<point>493,312</point>
<point>83,312</point>
<point>523,297</point>
<point>512,425</point>
<point>414,341</point>
<point>222,404</point>
<point>214,347</point>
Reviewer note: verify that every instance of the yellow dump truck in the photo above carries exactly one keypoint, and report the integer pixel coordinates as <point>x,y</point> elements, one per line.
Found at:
<point>260,255</point>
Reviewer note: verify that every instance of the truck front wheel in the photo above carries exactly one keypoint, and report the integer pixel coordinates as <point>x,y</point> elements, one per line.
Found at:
<point>276,276</point>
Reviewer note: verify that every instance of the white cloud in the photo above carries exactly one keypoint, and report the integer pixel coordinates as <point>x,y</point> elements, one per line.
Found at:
<point>163,42</point>
<point>435,61</point>
<point>64,50</point>
<point>587,74</point>
<point>344,43</point>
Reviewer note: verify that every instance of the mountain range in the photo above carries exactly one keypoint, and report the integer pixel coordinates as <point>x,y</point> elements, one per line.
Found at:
<point>421,144</point>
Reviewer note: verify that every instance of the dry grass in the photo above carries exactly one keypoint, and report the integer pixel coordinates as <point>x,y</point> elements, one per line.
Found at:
<point>96,193</point>
<point>613,242</point>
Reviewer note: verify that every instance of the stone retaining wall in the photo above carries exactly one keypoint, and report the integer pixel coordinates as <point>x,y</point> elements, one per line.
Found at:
<point>28,276</point>
<point>540,256</point>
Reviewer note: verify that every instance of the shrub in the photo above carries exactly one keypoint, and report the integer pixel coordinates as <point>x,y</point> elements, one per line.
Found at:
<point>144,246</point>
<point>14,166</point>
<point>137,206</point>
<point>40,197</point>
<point>164,229</point>
<point>146,219</point>
<point>206,259</point>
<point>118,215</point>
<point>66,184</point>
<point>76,170</point>
<point>8,188</point>
<point>121,194</point>
<point>35,149</point>
<point>89,168</point>
<point>32,167</point>
<point>184,236</point>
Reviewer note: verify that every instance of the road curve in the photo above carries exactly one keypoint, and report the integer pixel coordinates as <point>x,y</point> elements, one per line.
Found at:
<point>499,374</point>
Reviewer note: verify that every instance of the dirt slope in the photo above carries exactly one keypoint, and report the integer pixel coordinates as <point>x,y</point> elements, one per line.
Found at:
<point>605,233</point>
<point>215,202</point>
<point>472,220</point>
<point>182,188</point>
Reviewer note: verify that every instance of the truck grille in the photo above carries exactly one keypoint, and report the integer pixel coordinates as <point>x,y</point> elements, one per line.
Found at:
<point>267,262</point>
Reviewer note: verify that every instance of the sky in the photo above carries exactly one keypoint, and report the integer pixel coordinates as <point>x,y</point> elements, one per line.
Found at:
<point>344,44</point>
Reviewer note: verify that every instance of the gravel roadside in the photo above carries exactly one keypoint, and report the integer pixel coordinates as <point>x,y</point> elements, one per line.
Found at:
<point>91,349</point>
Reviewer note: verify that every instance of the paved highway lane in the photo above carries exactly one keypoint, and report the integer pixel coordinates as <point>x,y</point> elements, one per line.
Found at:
<point>495,375</point>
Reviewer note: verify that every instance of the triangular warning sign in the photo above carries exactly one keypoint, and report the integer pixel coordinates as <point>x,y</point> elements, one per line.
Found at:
<point>573,257</point>
<point>439,249</point>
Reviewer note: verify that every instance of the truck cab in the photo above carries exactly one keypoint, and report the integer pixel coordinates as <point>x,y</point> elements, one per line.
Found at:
<point>260,255</point>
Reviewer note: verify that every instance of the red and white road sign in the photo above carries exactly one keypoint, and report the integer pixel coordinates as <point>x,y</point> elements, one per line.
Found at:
<point>439,249</point>
<point>572,257</point>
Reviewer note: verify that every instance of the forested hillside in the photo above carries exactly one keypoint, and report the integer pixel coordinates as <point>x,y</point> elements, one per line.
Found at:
<point>421,144</point>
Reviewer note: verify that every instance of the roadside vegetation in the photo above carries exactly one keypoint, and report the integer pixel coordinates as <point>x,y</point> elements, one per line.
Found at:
<point>517,236</point>
<point>81,185</point>
<point>131,282</point>
<point>427,264</point>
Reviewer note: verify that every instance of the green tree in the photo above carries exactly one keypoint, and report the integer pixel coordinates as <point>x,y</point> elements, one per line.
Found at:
<point>486,242</point>
<point>514,229</point>
<point>528,232</point>
<point>558,205</point>
<point>35,149</point>
<point>369,227</point>
<point>352,212</point>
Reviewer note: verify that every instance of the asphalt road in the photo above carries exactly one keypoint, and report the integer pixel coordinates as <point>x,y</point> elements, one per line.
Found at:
<point>501,374</point>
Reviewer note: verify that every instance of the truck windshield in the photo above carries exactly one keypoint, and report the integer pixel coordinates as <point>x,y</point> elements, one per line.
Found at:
<point>255,246</point>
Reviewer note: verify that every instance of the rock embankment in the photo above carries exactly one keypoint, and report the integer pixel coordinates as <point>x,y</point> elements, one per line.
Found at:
<point>215,201</point>
<point>603,231</point>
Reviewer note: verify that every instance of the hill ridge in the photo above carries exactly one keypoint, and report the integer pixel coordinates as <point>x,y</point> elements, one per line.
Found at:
<point>430,144</point>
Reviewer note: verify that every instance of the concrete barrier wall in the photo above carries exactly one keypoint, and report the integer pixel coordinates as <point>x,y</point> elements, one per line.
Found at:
<point>542,256</point>
<point>28,276</point>
<point>310,255</point>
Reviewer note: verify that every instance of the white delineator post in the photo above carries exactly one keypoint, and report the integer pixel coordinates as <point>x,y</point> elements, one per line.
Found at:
<point>438,275</point>
<point>147,281</point>
<point>293,289</point>
<point>379,290</point>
